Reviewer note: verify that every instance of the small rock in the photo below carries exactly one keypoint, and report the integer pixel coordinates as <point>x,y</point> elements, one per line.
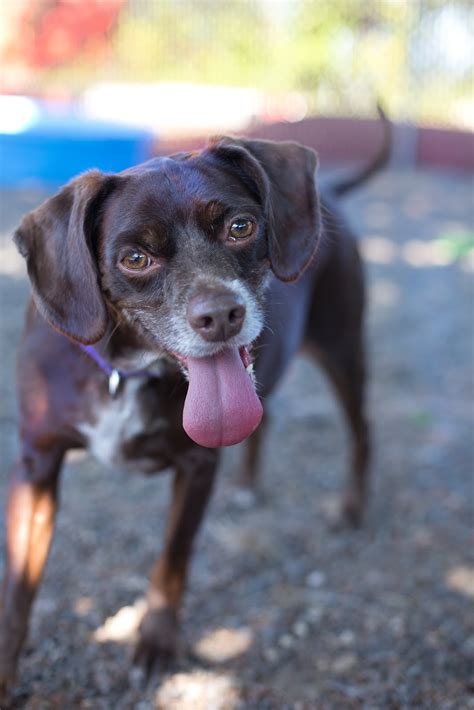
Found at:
<point>347,637</point>
<point>244,498</point>
<point>422,538</point>
<point>102,679</point>
<point>137,677</point>
<point>322,664</point>
<point>344,663</point>
<point>286,641</point>
<point>374,578</point>
<point>134,583</point>
<point>315,579</point>
<point>468,647</point>
<point>300,628</point>
<point>397,625</point>
<point>414,671</point>
<point>83,606</point>
<point>271,655</point>
<point>314,614</point>
<point>45,606</point>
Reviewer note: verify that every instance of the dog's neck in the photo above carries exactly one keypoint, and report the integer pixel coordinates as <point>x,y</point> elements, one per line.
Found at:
<point>123,350</point>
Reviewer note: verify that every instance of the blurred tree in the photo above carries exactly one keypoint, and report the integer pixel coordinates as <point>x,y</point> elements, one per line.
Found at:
<point>47,33</point>
<point>205,41</point>
<point>40,34</point>
<point>415,55</point>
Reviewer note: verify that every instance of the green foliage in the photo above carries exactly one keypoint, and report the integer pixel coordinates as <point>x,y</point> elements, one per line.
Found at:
<point>456,244</point>
<point>206,41</point>
<point>342,54</point>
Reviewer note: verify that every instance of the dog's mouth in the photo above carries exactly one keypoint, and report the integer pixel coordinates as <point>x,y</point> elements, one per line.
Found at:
<point>222,407</point>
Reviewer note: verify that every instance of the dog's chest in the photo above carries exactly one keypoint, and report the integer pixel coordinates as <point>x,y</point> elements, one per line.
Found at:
<point>122,433</point>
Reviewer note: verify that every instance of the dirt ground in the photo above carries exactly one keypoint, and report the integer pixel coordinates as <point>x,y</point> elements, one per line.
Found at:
<point>282,612</point>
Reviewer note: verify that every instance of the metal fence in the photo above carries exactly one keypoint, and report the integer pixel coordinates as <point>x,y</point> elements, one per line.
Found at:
<point>414,55</point>
<point>337,56</point>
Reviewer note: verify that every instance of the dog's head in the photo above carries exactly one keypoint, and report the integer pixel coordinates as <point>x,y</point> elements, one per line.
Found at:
<point>178,248</point>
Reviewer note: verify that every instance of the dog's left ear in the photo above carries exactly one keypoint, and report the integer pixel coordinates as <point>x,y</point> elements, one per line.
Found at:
<point>56,241</point>
<point>283,174</point>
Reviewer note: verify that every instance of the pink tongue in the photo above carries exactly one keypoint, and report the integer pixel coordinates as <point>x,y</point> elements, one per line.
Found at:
<point>222,407</point>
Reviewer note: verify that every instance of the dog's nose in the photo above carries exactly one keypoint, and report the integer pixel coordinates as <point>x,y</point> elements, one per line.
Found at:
<point>216,315</point>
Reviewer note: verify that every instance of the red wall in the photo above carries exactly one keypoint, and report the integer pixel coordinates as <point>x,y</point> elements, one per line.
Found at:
<point>349,139</point>
<point>445,148</point>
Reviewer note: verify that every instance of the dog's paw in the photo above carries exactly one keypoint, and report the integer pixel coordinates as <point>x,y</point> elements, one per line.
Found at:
<point>157,644</point>
<point>7,679</point>
<point>352,510</point>
<point>343,515</point>
<point>8,665</point>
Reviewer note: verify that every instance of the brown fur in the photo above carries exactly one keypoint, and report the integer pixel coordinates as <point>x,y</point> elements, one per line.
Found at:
<point>176,209</point>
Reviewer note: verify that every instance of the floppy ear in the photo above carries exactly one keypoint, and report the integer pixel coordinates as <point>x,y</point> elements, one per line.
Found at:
<point>284,176</point>
<point>56,241</point>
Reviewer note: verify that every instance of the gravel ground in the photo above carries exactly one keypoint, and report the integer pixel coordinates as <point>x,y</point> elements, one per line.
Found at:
<point>281,611</point>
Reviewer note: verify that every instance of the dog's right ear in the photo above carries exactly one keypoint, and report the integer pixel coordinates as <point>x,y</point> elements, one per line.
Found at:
<point>283,175</point>
<point>56,241</point>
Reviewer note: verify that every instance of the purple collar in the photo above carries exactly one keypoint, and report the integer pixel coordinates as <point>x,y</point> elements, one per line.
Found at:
<point>115,376</point>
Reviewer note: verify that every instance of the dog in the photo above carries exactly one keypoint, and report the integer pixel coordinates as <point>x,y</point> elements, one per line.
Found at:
<point>151,288</point>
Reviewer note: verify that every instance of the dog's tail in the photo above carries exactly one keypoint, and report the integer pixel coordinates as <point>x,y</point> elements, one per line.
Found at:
<point>380,160</point>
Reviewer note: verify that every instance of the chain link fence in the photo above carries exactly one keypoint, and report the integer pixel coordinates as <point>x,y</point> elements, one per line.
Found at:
<point>325,57</point>
<point>341,55</point>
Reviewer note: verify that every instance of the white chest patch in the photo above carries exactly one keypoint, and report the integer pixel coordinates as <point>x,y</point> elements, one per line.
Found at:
<point>116,420</point>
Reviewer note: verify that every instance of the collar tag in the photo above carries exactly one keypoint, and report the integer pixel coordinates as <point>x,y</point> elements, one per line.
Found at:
<point>114,382</point>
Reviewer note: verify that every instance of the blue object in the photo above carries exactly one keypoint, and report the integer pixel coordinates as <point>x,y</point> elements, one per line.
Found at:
<point>48,148</point>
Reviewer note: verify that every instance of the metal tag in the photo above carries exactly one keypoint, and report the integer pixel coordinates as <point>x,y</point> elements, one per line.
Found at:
<point>114,382</point>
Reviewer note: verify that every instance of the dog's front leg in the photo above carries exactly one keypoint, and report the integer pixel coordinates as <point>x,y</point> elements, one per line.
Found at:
<point>192,486</point>
<point>31,508</point>
<point>247,492</point>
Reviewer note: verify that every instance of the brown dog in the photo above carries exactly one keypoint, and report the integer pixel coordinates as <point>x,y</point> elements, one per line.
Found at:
<point>172,268</point>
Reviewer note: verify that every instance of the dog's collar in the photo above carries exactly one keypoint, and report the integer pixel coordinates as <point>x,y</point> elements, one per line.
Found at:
<point>115,375</point>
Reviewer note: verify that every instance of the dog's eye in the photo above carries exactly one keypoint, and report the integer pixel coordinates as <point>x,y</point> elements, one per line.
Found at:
<point>241,229</point>
<point>136,261</point>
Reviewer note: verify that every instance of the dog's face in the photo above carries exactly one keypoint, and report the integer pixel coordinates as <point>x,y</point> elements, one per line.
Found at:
<point>178,251</point>
<point>177,242</point>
